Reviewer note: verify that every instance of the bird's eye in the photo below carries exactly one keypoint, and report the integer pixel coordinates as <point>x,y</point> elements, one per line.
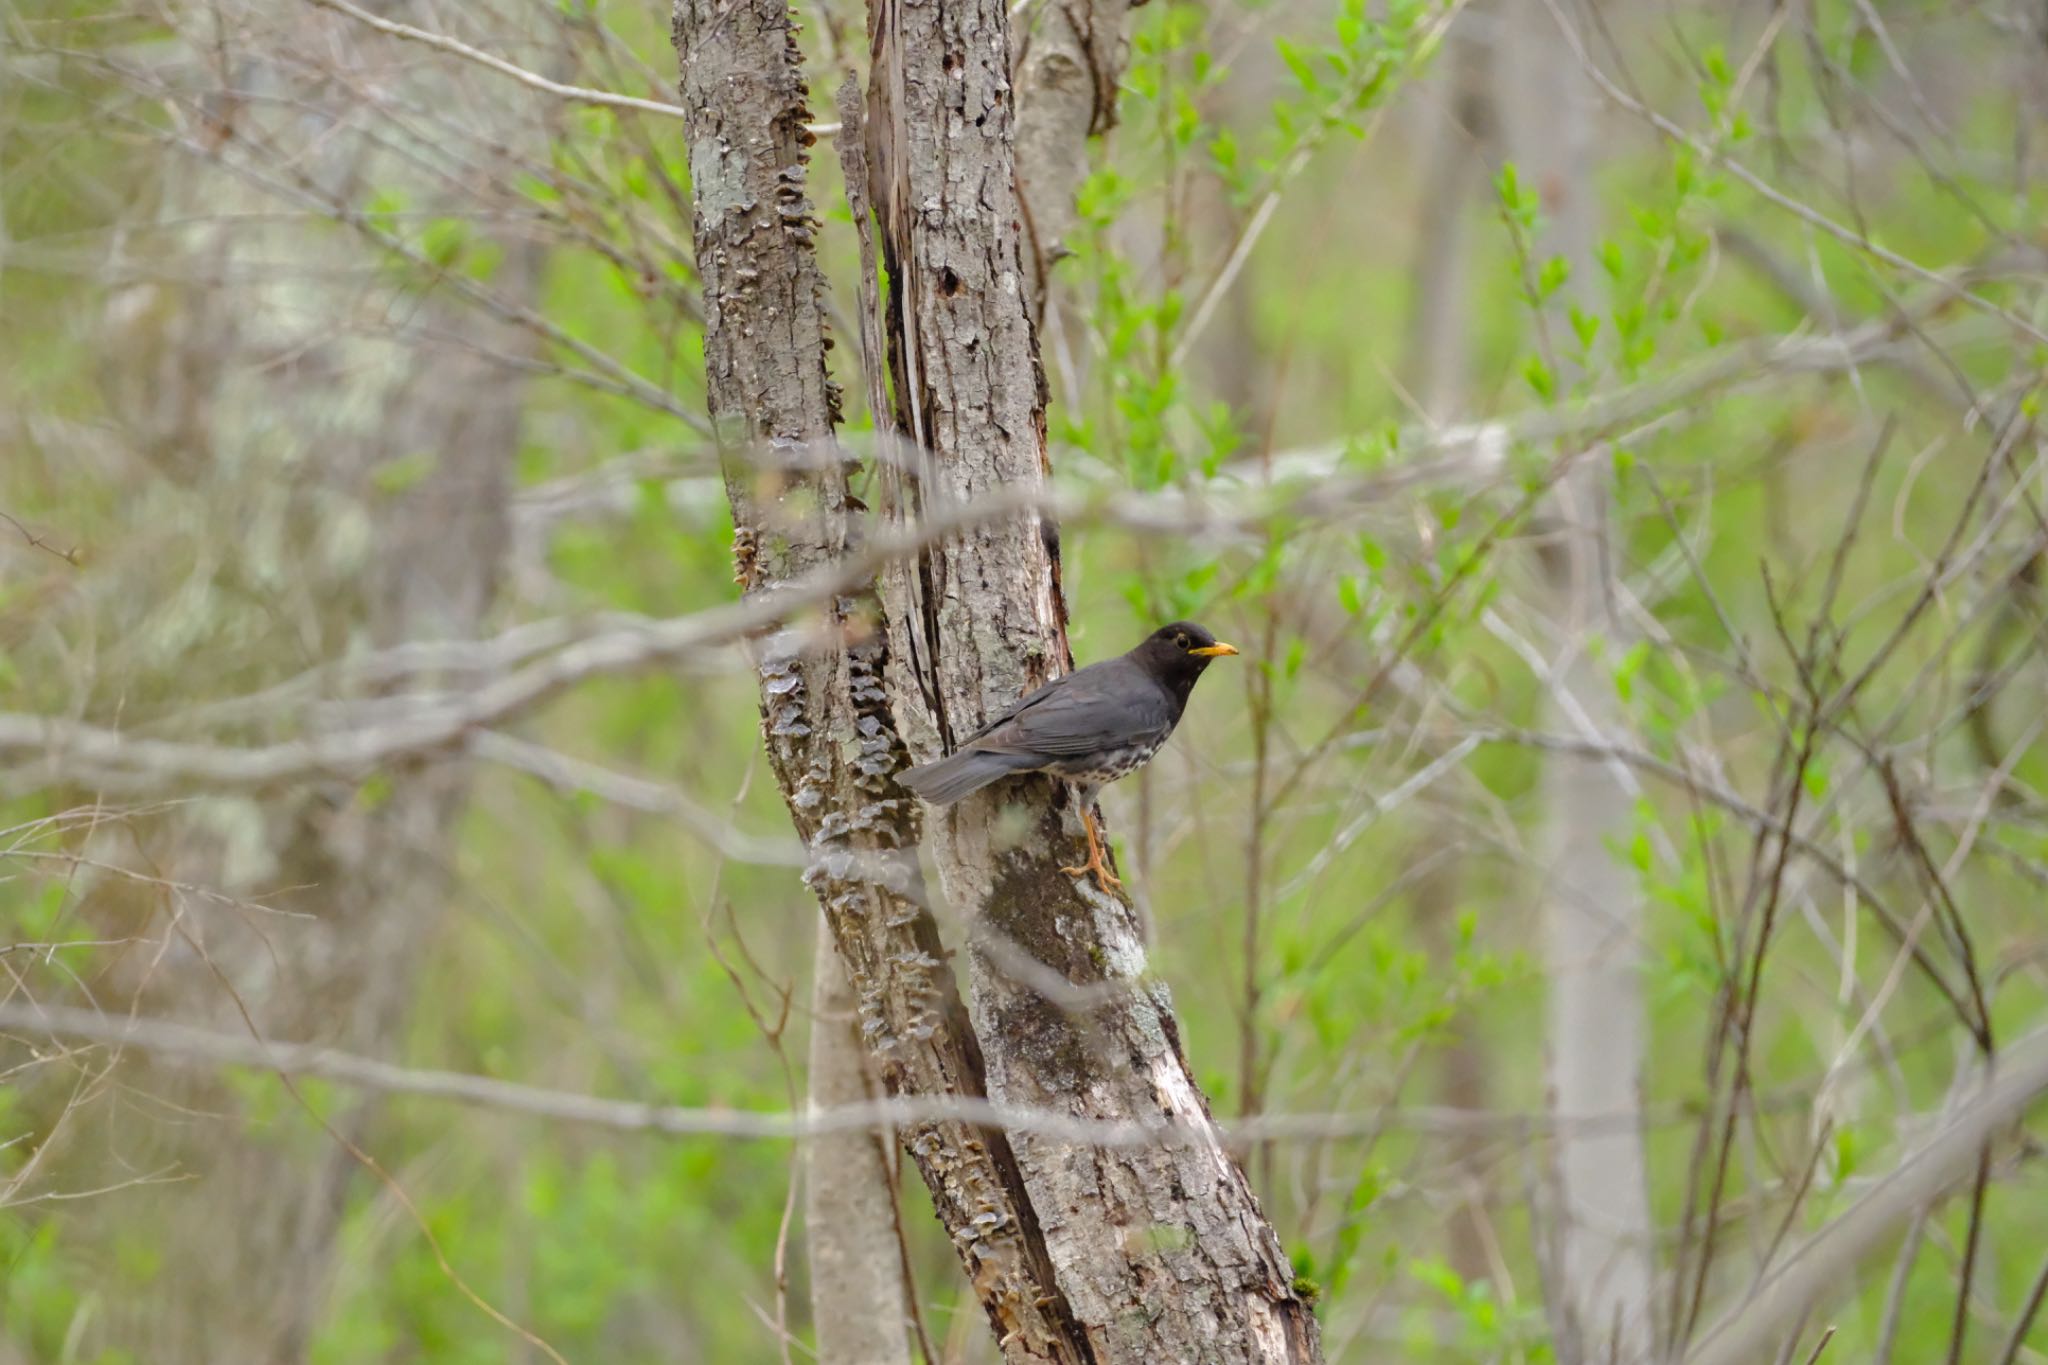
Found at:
<point>1181,640</point>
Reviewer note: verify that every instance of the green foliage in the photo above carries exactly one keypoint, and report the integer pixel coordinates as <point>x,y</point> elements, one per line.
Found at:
<point>46,1294</point>
<point>1362,798</point>
<point>1487,1329</point>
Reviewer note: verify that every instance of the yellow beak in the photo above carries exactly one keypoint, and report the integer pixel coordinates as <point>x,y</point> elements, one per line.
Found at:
<point>1212,650</point>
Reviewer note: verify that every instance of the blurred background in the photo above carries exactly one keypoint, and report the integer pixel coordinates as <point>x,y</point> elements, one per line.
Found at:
<point>1625,827</point>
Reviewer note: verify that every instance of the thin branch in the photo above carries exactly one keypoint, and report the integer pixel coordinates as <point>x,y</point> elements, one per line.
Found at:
<point>564,772</point>
<point>2025,1321</point>
<point>1804,212</point>
<point>36,542</point>
<point>454,47</point>
<point>576,94</point>
<point>1934,1170</point>
<point>116,761</point>
<point>175,1040</point>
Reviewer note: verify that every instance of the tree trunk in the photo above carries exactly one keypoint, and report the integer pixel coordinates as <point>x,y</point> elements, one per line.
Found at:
<point>1161,1252</point>
<point>1078,1253</point>
<point>1070,58</point>
<point>1592,910</point>
<point>1456,146</point>
<point>830,737</point>
<point>859,1301</point>
<point>257,380</point>
<point>1067,85</point>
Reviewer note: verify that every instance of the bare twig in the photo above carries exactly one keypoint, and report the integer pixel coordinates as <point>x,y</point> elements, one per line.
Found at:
<point>36,542</point>
<point>1932,1171</point>
<point>1806,213</point>
<point>454,47</point>
<point>209,1047</point>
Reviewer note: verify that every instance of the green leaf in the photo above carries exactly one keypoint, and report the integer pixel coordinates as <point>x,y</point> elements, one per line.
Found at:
<point>1300,62</point>
<point>1609,255</point>
<point>1585,326</point>
<point>1350,595</point>
<point>443,241</point>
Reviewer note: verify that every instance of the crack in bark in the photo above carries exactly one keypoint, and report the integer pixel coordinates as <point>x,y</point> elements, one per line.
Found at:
<point>1079,1253</point>
<point>1163,1254</point>
<point>826,721</point>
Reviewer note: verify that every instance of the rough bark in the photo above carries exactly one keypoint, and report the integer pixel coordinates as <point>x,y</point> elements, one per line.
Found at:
<point>859,1286</point>
<point>830,737</point>
<point>254,379</point>
<point>1162,1253</point>
<point>1592,910</point>
<point>1070,57</point>
<point>859,1300</point>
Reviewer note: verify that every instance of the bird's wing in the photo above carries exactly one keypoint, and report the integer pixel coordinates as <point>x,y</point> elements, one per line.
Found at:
<point>1024,703</point>
<point>1082,713</point>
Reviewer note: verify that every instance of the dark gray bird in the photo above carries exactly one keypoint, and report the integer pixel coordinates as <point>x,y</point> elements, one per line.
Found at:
<point>1091,727</point>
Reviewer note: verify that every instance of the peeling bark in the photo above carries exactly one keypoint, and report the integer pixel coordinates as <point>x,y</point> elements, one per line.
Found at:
<point>1162,1253</point>
<point>830,737</point>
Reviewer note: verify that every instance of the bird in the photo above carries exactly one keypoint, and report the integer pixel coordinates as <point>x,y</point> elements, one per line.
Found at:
<point>1090,727</point>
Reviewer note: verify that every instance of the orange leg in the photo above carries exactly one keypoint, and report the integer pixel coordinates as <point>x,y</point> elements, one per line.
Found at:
<point>1103,875</point>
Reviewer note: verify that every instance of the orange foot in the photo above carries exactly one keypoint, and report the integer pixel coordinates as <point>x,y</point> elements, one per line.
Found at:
<point>1108,880</point>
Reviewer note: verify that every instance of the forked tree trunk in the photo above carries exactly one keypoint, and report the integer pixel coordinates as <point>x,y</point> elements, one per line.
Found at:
<point>1071,57</point>
<point>1161,1251</point>
<point>1079,1253</point>
<point>830,737</point>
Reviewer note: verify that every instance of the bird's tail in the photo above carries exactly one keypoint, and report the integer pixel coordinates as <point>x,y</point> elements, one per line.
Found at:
<point>948,780</point>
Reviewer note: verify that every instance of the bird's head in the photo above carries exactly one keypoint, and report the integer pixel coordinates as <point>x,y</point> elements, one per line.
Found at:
<point>1179,652</point>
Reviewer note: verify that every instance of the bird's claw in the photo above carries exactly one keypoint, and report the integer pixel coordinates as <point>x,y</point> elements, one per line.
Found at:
<point>1104,878</point>
<point>1108,880</point>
